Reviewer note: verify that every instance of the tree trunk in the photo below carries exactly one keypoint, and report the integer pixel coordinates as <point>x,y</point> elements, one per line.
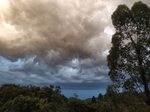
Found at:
<point>143,76</point>
<point>146,89</point>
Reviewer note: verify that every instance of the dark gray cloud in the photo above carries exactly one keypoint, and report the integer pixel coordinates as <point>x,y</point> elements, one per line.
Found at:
<point>62,42</point>
<point>65,77</point>
<point>84,86</point>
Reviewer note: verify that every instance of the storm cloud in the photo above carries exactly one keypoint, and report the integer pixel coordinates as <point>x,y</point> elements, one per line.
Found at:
<point>51,30</point>
<point>56,41</point>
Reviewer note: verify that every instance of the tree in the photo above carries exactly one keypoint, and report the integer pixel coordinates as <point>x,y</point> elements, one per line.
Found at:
<point>112,97</point>
<point>76,105</point>
<point>112,89</point>
<point>93,99</point>
<point>129,56</point>
<point>100,97</point>
<point>105,107</point>
<point>58,89</point>
<point>22,104</point>
<point>75,95</point>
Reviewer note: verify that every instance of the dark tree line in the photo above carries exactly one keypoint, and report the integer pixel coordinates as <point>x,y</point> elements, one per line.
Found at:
<point>16,98</point>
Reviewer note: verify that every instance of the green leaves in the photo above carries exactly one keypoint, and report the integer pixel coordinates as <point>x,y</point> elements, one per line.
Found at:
<point>123,19</point>
<point>137,18</point>
<point>141,14</point>
<point>28,99</point>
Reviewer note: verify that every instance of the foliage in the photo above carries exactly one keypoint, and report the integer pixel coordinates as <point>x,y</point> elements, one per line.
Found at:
<point>100,97</point>
<point>129,56</point>
<point>16,98</point>
<point>93,99</point>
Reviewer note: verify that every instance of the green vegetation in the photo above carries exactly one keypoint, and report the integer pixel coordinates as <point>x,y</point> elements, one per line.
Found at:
<point>16,98</point>
<point>129,56</point>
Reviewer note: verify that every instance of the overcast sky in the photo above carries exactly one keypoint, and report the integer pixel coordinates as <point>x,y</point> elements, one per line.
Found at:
<point>59,42</point>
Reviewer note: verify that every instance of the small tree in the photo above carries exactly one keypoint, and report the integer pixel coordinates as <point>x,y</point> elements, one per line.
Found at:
<point>75,95</point>
<point>129,56</point>
<point>100,97</point>
<point>112,93</point>
<point>93,99</point>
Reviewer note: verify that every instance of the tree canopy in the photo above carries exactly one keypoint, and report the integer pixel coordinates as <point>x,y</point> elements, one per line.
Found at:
<point>129,56</point>
<point>30,98</point>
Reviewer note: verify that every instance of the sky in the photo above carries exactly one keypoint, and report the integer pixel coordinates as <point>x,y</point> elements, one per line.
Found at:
<point>60,42</point>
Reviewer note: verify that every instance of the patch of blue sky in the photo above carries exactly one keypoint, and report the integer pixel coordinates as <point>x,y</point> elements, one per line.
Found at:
<point>83,94</point>
<point>5,63</point>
